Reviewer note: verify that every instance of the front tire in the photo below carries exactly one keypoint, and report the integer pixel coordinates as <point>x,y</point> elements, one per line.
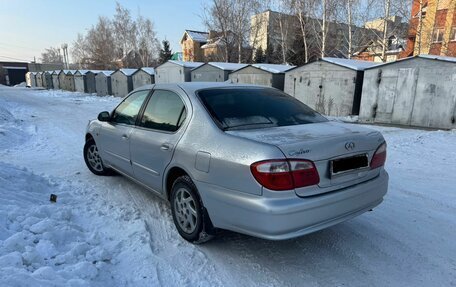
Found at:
<point>93,160</point>
<point>189,215</point>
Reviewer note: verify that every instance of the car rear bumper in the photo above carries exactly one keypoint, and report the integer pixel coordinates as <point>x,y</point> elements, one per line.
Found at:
<point>285,218</point>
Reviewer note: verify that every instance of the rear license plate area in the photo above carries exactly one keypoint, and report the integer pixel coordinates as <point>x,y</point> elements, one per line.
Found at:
<point>348,164</point>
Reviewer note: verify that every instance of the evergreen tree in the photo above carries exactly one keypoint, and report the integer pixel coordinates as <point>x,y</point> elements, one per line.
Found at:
<point>259,56</point>
<point>165,52</point>
<point>273,54</point>
<point>269,54</point>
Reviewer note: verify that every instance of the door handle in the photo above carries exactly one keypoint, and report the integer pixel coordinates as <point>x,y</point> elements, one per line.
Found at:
<point>124,137</point>
<point>165,146</point>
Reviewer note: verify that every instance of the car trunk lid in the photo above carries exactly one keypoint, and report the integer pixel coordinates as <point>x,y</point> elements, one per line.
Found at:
<point>332,146</point>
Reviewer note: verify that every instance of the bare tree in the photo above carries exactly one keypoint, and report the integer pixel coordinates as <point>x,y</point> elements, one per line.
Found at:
<point>146,40</point>
<point>423,28</point>
<point>387,7</point>
<point>324,26</point>
<point>284,23</point>
<point>302,8</point>
<point>350,28</point>
<point>51,55</point>
<point>125,33</point>
<point>420,26</point>
<point>79,51</point>
<point>218,16</point>
<point>350,16</point>
<point>122,42</point>
<point>101,45</point>
<point>231,20</point>
<point>243,9</point>
<point>324,11</point>
<point>391,18</point>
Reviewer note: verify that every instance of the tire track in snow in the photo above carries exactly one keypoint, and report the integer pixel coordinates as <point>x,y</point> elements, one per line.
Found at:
<point>188,261</point>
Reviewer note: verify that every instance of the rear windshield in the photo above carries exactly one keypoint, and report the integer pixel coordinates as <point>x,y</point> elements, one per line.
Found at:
<point>253,108</point>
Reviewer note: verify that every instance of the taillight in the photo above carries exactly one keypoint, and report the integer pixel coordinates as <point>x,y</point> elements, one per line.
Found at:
<point>379,157</point>
<point>304,173</point>
<point>285,174</point>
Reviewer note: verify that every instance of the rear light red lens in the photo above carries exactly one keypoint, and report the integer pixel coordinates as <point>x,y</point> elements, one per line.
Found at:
<point>304,173</point>
<point>379,157</point>
<point>273,174</point>
<point>285,174</point>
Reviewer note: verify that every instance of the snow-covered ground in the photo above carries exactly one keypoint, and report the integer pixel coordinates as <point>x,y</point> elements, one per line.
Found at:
<point>107,231</point>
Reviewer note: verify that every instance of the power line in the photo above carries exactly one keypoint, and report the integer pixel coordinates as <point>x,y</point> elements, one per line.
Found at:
<point>13,45</point>
<point>11,58</point>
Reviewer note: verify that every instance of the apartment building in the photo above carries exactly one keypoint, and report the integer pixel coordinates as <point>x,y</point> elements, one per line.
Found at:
<point>275,29</point>
<point>432,28</point>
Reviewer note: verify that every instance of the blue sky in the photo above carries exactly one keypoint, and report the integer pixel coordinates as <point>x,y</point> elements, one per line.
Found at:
<point>30,26</point>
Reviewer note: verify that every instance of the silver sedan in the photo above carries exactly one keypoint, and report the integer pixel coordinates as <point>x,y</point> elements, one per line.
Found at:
<point>244,158</point>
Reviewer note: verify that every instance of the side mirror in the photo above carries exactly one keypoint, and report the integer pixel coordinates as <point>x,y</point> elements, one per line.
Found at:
<point>104,117</point>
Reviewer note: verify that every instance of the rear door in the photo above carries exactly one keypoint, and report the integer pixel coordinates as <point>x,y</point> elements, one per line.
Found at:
<point>114,138</point>
<point>154,139</point>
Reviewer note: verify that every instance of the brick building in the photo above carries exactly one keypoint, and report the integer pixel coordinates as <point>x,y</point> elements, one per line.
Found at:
<point>432,28</point>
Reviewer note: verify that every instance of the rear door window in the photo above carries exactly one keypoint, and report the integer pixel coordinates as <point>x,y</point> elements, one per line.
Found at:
<point>253,108</point>
<point>165,111</point>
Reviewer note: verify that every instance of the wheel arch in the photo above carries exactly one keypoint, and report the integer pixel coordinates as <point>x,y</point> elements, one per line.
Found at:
<point>174,173</point>
<point>208,230</point>
<point>88,137</point>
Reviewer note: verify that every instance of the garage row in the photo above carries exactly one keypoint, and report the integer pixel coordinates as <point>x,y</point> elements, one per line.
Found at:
<point>417,91</point>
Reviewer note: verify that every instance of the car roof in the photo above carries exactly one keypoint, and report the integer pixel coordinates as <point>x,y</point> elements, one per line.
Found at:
<point>191,87</point>
<point>208,85</point>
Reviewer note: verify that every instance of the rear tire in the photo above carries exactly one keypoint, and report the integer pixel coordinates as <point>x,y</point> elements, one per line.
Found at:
<point>93,160</point>
<point>189,215</point>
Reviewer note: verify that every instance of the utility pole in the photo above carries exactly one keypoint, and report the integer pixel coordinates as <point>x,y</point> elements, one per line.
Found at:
<point>60,55</point>
<point>65,56</point>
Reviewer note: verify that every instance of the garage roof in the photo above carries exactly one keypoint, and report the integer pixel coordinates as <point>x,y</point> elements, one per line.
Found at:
<point>356,65</point>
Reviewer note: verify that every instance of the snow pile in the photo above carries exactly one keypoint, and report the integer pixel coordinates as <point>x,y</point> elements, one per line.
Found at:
<point>346,119</point>
<point>12,131</point>
<point>78,96</point>
<point>21,85</point>
<point>53,244</point>
<point>39,242</point>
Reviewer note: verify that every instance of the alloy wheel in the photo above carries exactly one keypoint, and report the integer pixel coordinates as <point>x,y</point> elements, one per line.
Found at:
<point>185,210</point>
<point>94,159</point>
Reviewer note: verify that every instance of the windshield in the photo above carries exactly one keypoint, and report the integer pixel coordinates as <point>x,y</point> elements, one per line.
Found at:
<point>253,108</point>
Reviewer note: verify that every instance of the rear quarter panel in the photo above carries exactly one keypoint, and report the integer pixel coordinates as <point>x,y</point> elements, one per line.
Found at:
<point>227,158</point>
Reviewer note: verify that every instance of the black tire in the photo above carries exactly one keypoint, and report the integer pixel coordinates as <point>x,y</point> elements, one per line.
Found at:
<point>98,168</point>
<point>203,230</point>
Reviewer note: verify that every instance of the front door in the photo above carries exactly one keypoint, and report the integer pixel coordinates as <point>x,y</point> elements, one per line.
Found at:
<point>153,141</point>
<point>114,138</point>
